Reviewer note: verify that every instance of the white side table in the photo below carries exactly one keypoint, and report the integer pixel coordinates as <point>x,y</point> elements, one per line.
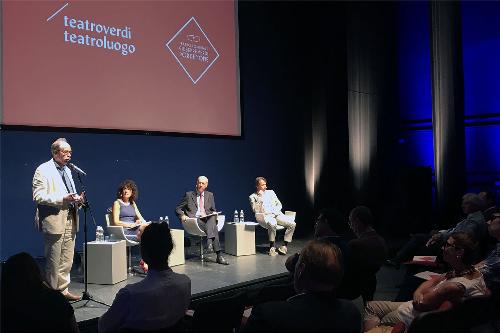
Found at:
<point>177,256</point>
<point>240,238</point>
<point>107,262</point>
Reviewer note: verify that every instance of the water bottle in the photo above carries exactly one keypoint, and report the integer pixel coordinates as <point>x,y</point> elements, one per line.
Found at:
<point>99,234</point>
<point>167,221</point>
<point>236,218</point>
<point>242,216</point>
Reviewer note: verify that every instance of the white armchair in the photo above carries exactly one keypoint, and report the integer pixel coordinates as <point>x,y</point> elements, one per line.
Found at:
<point>116,232</point>
<point>191,226</point>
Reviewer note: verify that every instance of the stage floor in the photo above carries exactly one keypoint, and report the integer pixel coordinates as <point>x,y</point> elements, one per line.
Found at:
<point>206,277</point>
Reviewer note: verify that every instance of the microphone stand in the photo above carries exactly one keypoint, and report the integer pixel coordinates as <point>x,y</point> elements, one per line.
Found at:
<point>86,296</point>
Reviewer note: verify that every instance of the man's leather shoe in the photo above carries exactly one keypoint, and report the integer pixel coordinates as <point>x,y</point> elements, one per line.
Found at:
<point>210,249</point>
<point>221,260</point>
<point>70,297</point>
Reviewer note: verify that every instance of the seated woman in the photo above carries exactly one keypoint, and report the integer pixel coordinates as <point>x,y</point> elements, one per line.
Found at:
<point>29,304</point>
<point>462,281</point>
<point>125,212</point>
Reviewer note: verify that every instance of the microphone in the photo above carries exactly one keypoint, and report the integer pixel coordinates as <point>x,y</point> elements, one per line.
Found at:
<point>76,169</point>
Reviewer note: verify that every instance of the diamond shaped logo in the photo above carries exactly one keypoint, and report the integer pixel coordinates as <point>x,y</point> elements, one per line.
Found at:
<point>193,50</point>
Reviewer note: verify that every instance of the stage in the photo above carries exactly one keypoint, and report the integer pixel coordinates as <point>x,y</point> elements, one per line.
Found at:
<point>207,278</point>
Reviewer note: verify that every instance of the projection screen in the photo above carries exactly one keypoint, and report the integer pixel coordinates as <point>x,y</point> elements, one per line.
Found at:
<point>167,66</point>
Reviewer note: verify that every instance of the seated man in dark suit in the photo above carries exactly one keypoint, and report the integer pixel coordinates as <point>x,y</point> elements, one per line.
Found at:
<point>199,204</point>
<point>314,308</point>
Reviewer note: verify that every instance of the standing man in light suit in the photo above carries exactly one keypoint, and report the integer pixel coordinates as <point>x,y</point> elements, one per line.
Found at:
<point>265,201</point>
<point>57,215</point>
<point>199,204</point>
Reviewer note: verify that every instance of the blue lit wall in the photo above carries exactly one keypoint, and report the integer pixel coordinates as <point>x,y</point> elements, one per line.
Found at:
<point>414,64</point>
<point>481,63</point>
<point>481,69</point>
<point>481,56</point>
<point>417,146</point>
<point>414,84</point>
<point>482,151</point>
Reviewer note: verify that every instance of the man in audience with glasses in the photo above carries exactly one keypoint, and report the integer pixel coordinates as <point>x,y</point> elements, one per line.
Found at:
<point>430,243</point>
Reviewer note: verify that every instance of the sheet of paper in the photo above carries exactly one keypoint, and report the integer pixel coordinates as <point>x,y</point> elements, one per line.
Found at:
<point>427,275</point>
<point>425,258</point>
<point>208,215</point>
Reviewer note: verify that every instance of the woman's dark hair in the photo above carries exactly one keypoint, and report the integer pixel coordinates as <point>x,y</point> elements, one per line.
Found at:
<point>128,184</point>
<point>156,245</point>
<point>467,243</point>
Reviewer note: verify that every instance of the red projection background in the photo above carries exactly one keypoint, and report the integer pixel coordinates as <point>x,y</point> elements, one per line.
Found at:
<point>168,66</point>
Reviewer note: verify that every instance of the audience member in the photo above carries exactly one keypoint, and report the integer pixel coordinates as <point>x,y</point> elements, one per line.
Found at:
<point>157,302</point>
<point>265,201</point>
<point>490,203</point>
<point>490,266</point>
<point>125,212</point>
<point>314,308</point>
<point>429,244</point>
<point>329,226</point>
<point>490,242</point>
<point>369,250</point>
<point>462,281</point>
<point>29,304</point>
<point>367,253</point>
<point>200,204</point>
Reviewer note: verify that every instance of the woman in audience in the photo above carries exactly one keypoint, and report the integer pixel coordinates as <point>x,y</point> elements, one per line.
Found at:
<point>28,303</point>
<point>462,281</point>
<point>125,212</point>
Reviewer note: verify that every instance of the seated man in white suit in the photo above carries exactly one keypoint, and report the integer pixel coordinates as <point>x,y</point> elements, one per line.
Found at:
<point>265,201</point>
